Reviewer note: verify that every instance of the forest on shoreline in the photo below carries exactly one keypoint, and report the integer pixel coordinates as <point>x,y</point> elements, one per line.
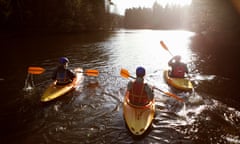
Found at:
<point>94,15</point>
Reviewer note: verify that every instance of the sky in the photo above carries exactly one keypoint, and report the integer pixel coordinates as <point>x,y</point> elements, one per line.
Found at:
<point>120,5</point>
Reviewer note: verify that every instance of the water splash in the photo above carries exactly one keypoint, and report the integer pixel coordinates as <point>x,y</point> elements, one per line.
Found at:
<point>29,84</point>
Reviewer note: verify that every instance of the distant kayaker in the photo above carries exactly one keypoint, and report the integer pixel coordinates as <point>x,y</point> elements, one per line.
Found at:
<point>139,92</point>
<point>62,74</point>
<point>178,68</point>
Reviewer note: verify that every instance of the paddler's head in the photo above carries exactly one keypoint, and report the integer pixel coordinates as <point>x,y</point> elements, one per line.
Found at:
<point>177,58</point>
<point>140,72</point>
<point>64,61</point>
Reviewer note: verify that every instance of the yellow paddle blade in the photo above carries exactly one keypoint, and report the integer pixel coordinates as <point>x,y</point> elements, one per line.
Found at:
<point>91,72</point>
<point>124,73</point>
<point>35,70</point>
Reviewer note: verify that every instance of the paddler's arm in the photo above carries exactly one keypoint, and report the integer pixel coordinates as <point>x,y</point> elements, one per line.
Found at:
<point>149,91</point>
<point>129,86</point>
<point>186,67</point>
<point>71,74</point>
<point>170,62</point>
<point>54,75</point>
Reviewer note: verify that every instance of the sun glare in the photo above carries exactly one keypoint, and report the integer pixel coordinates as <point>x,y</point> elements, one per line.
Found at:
<point>174,2</point>
<point>121,5</point>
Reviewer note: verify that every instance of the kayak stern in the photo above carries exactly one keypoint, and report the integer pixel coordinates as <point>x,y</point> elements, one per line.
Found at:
<point>138,118</point>
<point>183,84</point>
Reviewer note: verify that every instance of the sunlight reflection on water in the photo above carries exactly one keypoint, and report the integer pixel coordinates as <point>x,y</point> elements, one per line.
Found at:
<point>93,114</point>
<point>142,47</point>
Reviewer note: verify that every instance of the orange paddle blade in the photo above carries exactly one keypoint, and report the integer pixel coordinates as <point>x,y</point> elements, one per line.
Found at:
<point>91,72</point>
<point>35,70</point>
<point>163,45</point>
<point>124,73</point>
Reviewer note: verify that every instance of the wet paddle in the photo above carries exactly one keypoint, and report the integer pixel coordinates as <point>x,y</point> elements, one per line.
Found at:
<point>124,73</point>
<point>40,70</point>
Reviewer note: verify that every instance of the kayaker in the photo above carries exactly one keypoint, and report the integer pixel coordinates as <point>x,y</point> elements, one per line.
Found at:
<point>139,92</point>
<point>63,74</point>
<point>178,68</point>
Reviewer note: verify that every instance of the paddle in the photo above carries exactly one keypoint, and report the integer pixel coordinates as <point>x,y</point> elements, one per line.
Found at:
<point>124,73</point>
<point>165,47</point>
<point>40,70</point>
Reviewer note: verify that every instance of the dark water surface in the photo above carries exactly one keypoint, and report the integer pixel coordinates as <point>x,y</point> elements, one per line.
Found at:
<point>93,112</point>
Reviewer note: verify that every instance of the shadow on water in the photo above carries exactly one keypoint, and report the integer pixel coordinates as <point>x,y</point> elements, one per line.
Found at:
<point>217,54</point>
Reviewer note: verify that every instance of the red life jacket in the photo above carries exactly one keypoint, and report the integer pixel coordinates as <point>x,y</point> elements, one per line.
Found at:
<point>178,71</point>
<point>137,94</point>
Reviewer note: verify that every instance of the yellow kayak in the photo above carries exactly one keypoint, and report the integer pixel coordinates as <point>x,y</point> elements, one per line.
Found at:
<point>179,83</point>
<point>55,91</point>
<point>138,118</point>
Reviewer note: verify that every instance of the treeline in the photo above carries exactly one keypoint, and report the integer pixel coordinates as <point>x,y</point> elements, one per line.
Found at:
<point>157,17</point>
<point>201,15</point>
<point>85,15</point>
<point>56,15</point>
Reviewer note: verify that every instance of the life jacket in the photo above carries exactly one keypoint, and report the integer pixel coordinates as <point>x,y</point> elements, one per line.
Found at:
<point>62,77</point>
<point>178,71</point>
<point>137,94</point>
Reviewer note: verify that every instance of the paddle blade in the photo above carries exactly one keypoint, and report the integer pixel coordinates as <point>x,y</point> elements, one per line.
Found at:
<point>124,73</point>
<point>35,70</point>
<point>91,72</point>
<point>163,45</point>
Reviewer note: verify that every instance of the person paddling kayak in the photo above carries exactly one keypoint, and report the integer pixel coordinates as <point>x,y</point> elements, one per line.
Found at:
<point>139,92</point>
<point>63,75</point>
<point>178,68</point>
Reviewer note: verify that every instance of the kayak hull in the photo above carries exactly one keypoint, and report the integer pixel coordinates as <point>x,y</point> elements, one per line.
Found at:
<point>183,84</point>
<point>138,118</point>
<point>54,91</point>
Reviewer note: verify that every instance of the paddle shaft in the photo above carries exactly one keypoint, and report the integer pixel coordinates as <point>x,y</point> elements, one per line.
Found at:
<point>170,94</point>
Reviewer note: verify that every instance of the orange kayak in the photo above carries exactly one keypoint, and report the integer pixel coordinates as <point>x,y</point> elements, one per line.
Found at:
<point>138,118</point>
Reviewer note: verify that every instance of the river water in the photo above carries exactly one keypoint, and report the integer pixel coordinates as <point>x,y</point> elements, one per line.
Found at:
<point>93,112</point>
